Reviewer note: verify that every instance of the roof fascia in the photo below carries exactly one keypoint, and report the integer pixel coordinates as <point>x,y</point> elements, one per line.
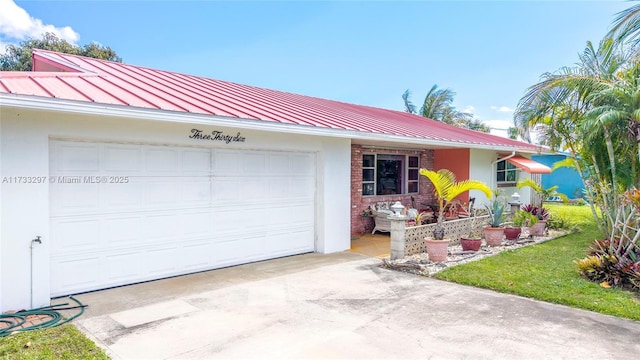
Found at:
<point>78,107</point>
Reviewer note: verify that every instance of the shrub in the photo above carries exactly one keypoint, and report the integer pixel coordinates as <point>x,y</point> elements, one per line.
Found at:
<point>559,222</point>
<point>615,262</point>
<point>540,212</point>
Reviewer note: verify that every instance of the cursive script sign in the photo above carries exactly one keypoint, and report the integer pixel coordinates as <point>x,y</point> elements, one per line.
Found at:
<point>215,136</point>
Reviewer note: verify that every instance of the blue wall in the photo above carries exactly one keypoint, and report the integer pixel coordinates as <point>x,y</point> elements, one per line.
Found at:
<point>567,179</point>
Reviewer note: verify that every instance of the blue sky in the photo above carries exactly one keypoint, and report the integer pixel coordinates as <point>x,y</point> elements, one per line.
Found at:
<point>359,52</point>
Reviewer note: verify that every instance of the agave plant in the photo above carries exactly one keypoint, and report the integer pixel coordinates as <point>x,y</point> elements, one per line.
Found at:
<point>446,188</point>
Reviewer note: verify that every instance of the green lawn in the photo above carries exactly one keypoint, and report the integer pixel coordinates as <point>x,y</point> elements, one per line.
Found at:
<point>62,342</point>
<point>547,271</point>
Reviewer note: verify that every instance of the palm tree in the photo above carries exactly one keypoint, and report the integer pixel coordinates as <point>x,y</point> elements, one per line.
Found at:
<point>438,105</point>
<point>562,101</point>
<point>542,192</point>
<point>626,25</point>
<point>446,188</point>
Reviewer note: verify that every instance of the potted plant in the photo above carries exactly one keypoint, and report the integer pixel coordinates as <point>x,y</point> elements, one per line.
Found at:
<point>446,188</point>
<point>520,219</point>
<point>542,215</point>
<point>494,232</point>
<point>473,241</point>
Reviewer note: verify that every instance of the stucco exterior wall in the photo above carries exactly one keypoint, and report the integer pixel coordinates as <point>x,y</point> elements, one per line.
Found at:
<point>457,161</point>
<point>483,168</point>
<point>24,209</point>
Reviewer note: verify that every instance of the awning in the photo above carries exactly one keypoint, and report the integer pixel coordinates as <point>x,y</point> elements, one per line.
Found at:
<point>528,165</point>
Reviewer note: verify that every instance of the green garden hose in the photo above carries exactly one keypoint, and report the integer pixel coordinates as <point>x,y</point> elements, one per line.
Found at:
<point>16,320</point>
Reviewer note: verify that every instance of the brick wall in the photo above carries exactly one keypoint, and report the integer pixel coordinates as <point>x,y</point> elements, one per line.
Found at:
<point>359,203</point>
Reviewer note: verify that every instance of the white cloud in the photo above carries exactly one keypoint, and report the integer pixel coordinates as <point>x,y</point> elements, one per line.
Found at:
<point>469,109</point>
<point>504,109</point>
<point>16,24</point>
<point>499,126</point>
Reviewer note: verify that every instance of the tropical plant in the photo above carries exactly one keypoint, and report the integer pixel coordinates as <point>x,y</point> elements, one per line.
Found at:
<point>561,107</point>
<point>539,212</point>
<point>524,218</point>
<point>497,209</point>
<point>446,188</point>
<point>626,25</point>
<point>542,193</point>
<point>438,105</point>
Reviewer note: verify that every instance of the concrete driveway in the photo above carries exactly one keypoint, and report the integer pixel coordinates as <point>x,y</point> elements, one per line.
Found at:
<point>340,306</point>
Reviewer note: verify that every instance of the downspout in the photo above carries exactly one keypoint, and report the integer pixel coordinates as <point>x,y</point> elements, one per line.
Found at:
<point>493,170</point>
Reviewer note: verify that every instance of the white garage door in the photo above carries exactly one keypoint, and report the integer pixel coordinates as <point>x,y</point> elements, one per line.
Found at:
<point>124,213</point>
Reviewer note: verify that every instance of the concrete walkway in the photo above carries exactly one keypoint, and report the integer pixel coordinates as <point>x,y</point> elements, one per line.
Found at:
<point>341,306</point>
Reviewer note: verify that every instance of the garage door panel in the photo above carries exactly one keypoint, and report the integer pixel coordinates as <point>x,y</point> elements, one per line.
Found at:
<point>196,224</point>
<point>302,164</point>
<point>123,196</point>
<point>196,161</point>
<point>182,210</point>
<point>122,231</point>
<point>197,256</point>
<point>278,164</point>
<point>74,157</point>
<point>299,188</point>
<point>160,193</point>
<point>290,242</point>
<point>75,235</point>
<point>74,197</point>
<point>123,267</point>
<point>122,159</point>
<point>162,261</point>
<point>73,275</point>
<point>254,190</point>
<point>226,162</point>
<point>254,163</point>
<point>158,227</point>
<point>163,159</point>
<point>226,189</point>
<point>196,191</point>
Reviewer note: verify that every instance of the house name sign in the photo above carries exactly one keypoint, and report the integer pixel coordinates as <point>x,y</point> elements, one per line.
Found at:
<point>215,135</point>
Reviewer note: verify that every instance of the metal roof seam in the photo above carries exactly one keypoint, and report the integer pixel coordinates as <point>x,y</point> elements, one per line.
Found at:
<point>75,89</point>
<point>122,101</point>
<point>206,93</point>
<point>121,78</point>
<point>164,87</point>
<point>42,87</point>
<point>214,86</point>
<point>106,79</point>
<point>272,100</point>
<point>205,98</point>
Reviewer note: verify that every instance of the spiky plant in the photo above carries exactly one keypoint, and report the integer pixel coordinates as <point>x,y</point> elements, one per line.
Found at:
<point>446,188</point>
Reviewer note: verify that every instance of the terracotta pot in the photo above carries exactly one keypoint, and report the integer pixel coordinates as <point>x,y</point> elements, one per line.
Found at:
<point>437,249</point>
<point>470,244</point>
<point>493,236</point>
<point>538,228</point>
<point>512,233</point>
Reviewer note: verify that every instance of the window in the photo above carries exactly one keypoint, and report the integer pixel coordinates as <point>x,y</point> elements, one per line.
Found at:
<point>506,173</point>
<point>384,174</point>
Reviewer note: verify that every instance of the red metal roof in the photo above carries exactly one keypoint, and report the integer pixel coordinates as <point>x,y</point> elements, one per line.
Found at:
<point>528,165</point>
<point>107,82</point>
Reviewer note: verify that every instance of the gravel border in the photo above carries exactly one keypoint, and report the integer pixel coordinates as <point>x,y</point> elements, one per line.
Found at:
<point>420,264</point>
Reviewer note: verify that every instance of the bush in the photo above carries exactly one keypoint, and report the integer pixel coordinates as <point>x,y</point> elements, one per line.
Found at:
<point>578,202</point>
<point>559,222</point>
<point>615,262</point>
